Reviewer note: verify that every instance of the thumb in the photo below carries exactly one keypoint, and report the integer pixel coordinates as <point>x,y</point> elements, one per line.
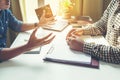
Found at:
<point>43,13</point>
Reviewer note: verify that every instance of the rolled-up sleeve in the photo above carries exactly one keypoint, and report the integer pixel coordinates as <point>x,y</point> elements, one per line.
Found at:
<point>100,27</point>
<point>13,22</point>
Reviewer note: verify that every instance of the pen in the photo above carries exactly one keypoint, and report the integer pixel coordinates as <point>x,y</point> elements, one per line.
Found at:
<point>50,49</point>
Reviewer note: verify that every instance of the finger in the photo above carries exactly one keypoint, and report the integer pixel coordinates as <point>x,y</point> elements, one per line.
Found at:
<point>50,19</point>
<point>46,36</point>
<point>54,16</point>
<point>74,34</point>
<point>33,33</point>
<point>69,40</point>
<point>69,34</point>
<point>48,41</point>
<point>51,23</point>
<point>43,15</point>
<point>77,33</point>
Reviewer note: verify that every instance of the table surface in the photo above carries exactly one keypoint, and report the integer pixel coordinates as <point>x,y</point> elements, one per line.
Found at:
<point>32,67</point>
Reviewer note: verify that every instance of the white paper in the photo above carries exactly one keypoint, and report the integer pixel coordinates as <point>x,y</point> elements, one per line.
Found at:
<point>61,51</point>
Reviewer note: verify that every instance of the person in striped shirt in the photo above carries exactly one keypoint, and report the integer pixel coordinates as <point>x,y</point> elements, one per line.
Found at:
<point>109,27</point>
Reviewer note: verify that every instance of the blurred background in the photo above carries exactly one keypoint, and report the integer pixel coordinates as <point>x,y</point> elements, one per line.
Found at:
<point>25,10</point>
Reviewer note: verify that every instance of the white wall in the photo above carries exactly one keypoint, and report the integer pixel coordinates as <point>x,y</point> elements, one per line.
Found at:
<point>31,5</point>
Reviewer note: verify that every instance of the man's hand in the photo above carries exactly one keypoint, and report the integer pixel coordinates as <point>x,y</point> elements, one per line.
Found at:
<point>46,21</point>
<point>34,42</point>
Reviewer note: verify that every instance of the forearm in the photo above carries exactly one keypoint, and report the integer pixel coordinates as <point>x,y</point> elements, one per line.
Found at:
<point>105,53</point>
<point>28,26</point>
<point>99,27</point>
<point>8,53</point>
<point>92,30</point>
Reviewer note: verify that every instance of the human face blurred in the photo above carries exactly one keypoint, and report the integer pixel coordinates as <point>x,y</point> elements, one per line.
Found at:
<point>4,4</point>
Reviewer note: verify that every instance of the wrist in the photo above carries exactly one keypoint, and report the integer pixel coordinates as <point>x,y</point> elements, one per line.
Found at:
<point>83,31</point>
<point>35,25</point>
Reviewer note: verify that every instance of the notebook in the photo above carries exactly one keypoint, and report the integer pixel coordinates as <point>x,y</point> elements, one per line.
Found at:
<point>58,25</point>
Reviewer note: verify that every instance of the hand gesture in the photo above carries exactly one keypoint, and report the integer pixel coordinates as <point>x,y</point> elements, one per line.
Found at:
<point>45,21</point>
<point>34,42</point>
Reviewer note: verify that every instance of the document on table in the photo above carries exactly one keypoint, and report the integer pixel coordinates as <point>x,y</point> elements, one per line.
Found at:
<point>60,50</point>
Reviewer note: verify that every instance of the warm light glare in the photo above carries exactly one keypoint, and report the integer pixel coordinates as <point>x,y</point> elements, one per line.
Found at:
<point>66,5</point>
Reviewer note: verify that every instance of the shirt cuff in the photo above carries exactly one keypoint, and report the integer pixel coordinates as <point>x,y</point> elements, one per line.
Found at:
<point>88,48</point>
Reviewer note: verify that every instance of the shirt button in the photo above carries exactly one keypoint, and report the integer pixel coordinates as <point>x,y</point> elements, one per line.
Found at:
<point>0,36</point>
<point>113,26</point>
<point>6,22</point>
<point>2,28</point>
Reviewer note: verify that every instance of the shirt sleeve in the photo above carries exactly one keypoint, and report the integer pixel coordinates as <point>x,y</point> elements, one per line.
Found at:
<point>99,27</point>
<point>13,22</point>
<point>105,53</point>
